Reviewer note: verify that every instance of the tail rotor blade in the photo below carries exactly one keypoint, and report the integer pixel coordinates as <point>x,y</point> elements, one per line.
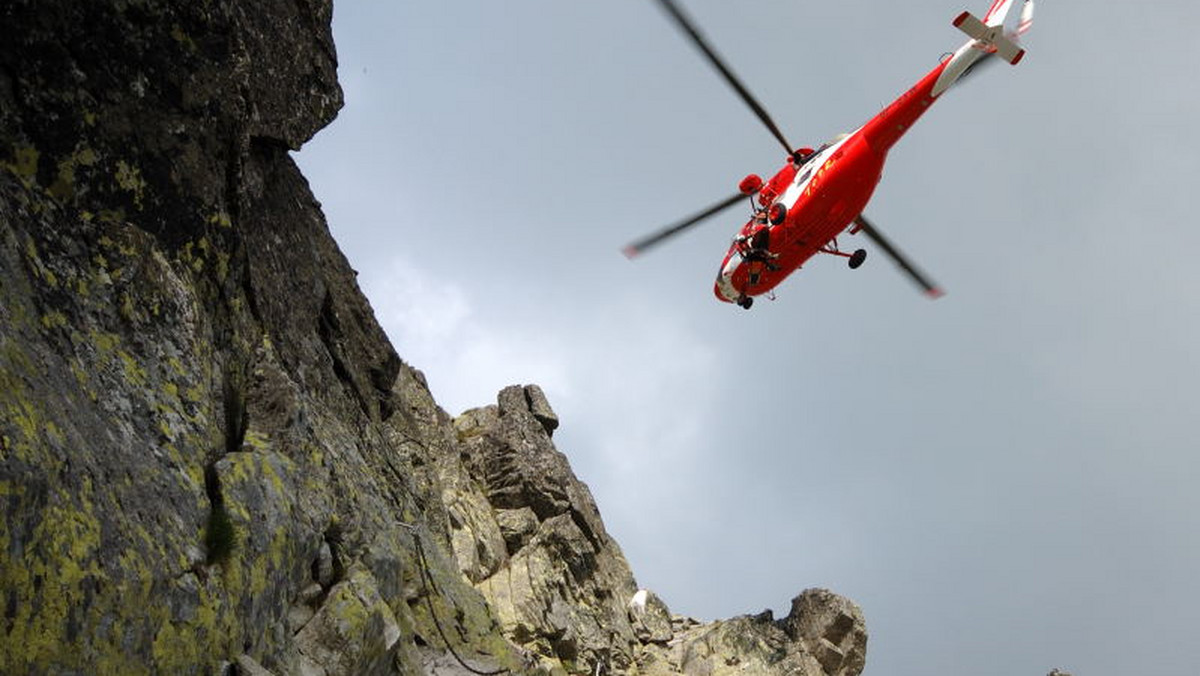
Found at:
<point>688,27</point>
<point>931,289</point>
<point>638,247</point>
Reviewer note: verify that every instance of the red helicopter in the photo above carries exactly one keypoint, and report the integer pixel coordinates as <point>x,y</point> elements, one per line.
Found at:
<point>818,194</point>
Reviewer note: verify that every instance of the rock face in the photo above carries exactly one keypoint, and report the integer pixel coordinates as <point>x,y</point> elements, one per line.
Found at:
<point>211,459</point>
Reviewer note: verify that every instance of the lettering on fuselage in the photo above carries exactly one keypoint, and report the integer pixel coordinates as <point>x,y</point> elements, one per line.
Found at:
<point>809,185</point>
<point>817,177</point>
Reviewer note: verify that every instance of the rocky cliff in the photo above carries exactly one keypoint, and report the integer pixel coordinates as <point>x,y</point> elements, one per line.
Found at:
<point>211,459</point>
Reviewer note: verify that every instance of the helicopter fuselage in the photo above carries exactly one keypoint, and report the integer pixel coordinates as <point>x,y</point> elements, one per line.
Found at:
<point>822,198</point>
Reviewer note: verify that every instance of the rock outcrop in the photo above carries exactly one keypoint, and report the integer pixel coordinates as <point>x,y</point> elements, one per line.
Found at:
<point>211,458</point>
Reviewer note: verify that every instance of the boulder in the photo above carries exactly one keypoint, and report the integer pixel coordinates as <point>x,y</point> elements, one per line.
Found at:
<point>354,632</point>
<point>830,627</point>
<point>650,617</point>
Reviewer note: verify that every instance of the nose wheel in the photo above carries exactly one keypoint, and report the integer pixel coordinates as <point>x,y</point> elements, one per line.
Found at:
<point>857,258</point>
<point>745,302</point>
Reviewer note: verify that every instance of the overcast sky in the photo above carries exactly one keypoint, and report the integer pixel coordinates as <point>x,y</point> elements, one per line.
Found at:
<point>1004,479</point>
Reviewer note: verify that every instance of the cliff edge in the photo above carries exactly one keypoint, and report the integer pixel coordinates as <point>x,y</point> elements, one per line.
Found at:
<point>211,458</point>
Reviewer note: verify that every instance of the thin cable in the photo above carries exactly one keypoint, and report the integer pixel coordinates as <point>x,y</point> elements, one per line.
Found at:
<point>430,587</point>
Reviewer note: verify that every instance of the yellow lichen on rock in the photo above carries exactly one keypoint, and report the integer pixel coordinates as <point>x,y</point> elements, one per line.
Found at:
<point>24,164</point>
<point>129,178</point>
<point>46,582</point>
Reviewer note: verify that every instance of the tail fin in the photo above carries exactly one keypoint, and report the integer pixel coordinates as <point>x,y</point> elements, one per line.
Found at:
<point>989,37</point>
<point>990,33</point>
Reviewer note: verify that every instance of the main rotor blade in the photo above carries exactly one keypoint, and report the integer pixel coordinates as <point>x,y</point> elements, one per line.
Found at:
<point>930,288</point>
<point>702,44</point>
<point>638,247</point>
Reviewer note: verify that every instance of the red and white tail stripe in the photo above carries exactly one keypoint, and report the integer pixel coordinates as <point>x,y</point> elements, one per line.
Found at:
<point>1026,18</point>
<point>997,12</point>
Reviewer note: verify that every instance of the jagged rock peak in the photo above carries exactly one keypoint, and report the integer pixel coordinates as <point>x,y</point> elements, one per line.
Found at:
<point>824,635</point>
<point>533,542</point>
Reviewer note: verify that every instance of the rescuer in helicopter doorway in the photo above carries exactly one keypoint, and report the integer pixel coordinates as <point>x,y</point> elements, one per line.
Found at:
<point>755,248</point>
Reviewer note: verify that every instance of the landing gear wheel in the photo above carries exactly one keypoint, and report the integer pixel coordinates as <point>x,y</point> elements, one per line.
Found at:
<point>857,258</point>
<point>745,302</point>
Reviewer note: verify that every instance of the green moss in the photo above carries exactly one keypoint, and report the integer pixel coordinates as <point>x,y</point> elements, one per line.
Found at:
<point>82,376</point>
<point>106,343</point>
<point>221,220</point>
<point>195,473</point>
<point>80,373</point>
<point>183,39</point>
<point>231,576</point>
<point>194,394</point>
<point>114,662</point>
<point>222,265</point>
<point>47,583</point>
<point>176,649</point>
<point>164,430</point>
<point>40,270</point>
<point>24,164</point>
<point>130,180</point>
<point>54,320</point>
<point>350,611</point>
<point>63,187</point>
<point>189,256</point>
<point>276,480</point>
<point>134,373</point>
<point>257,440</point>
<point>112,216</point>
<point>126,308</point>
<point>258,577</point>
<point>28,420</point>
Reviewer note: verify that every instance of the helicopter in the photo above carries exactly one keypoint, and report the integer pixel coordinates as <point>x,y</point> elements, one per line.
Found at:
<point>820,193</point>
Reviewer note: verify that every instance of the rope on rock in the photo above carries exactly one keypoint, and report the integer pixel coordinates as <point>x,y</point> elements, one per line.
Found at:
<point>429,587</point>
